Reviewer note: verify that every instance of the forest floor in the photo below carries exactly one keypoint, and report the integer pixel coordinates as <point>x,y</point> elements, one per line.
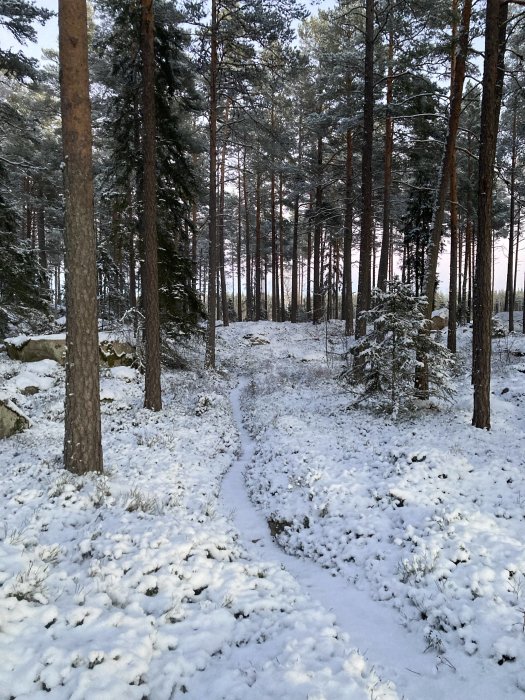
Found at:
<point>260,539</point>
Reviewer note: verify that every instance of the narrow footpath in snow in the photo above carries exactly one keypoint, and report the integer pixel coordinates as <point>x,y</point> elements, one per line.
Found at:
<point>374,628</point>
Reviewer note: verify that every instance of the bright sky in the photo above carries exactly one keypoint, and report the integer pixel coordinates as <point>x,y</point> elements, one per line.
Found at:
<point>48,38</point>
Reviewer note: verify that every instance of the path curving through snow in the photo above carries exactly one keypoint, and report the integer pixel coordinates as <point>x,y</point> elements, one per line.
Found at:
<point>373,628</point>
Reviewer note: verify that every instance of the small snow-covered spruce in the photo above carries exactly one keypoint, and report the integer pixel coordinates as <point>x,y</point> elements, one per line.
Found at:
<point>393,348</point>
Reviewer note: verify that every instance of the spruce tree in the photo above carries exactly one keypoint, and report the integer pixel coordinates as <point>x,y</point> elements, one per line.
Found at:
<point>393,348</point>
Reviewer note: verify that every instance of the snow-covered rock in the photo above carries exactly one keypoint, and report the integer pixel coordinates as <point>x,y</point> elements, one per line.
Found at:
<point>12,419</point>
<point>114,352</point>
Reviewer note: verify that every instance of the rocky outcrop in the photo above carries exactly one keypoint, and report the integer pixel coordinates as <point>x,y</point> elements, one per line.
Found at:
<point>113,352</point>
<point>35,348</point>
<point>255,340</point>
<point>12,420</point>
<point>117,353</point>
<point>439,319</point>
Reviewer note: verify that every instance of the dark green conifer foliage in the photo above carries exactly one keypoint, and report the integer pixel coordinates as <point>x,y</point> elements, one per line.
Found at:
<point>19,18</point>
<point>392,350</point>
<point>23,280</point>
<point>176,100</point>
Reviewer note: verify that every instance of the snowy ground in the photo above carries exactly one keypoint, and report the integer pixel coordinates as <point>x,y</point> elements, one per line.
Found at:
<point>404,541</point>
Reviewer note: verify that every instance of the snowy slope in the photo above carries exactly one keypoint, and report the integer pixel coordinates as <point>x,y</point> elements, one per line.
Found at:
<point>136,584</point>
<point>401,566</point>
<point>423,518</point>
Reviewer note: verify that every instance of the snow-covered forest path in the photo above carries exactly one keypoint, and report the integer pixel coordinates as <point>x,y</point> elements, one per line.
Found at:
<point>380,539</point>
<point>372,627</point>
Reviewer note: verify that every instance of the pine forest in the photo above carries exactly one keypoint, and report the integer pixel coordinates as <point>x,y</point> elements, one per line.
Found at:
<point>262,341</point>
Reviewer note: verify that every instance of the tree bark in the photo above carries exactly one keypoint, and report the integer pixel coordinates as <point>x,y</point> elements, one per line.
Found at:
<point>493,74</point>
<point>509,292</point>
<point>318,229</point>
<point>450,144</point>
<point>282,315</point>
<point>275,261</point>
<point>295,247</point>
<point>258,248</point>
<point>82,439</point>
<point>209,360</point>
<point>367,213</point>
<point>382,274</point>
<point>152,388</point>
<point>239,239</point>
<point>348,305</point>
<point>453,281</point>
<point>249,286</point>
<point>222,252</point>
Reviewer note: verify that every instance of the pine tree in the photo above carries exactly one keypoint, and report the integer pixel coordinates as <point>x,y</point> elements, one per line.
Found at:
<point>82,440</point>
<point>19,18</point>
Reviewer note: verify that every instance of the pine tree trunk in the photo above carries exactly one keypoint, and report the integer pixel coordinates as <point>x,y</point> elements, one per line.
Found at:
<point>209,360</point>
<point>249,286</point>
<point>493,74</point>
<point>382,274</point>
<point>509,292</point>
<point>275,264</point>
<point>453,281</point>
<point>367,214</point>
<point>460,58</point>
<point>453,272</point>
<point>282,315</point>
<point>82,439</point>
<point>152,393</point>
<point>222,251</point>
<point>41,231</point>
<point>309,263</point>
<point>239,240</point>
<point>517,246</point>
<point>295,246</point>
<point>348,305</point>
<point>258,249</point>
<point>318,229</point>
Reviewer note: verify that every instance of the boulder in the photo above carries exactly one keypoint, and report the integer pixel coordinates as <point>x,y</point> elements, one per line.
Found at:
<point>117,353</point>
<point>113,352</point>
<point>35,348</point>
<point>255,340</point>
<point>12,420</point>
<point>439,319</point>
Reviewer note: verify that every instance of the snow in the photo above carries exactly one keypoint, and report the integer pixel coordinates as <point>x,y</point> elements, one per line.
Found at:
<point>396,569</point>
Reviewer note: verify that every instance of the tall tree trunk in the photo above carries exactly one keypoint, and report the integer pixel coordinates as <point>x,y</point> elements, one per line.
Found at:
<point>275,260</point>
<point>509,292</point>
<point>41,230</point>
<point>348,302</point>
<point>209,360</point>
<point>309,262</point>
<point>258,251</point>
<point>222,251</point>
<point>453,276</point>
<point>367,213</point>
<point>295,240</point>
<point>281,250</point>
<point>82,439</point>
<point>453,280</point>
<point>318,229</point>
<point>450,144</point>
<point>239,240</point>
<point>249,286</point>
<point>382,274</point>
<point>517,246</point>
<point>152,392</point>
<point>493,74</point>
<point>295,247</point>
